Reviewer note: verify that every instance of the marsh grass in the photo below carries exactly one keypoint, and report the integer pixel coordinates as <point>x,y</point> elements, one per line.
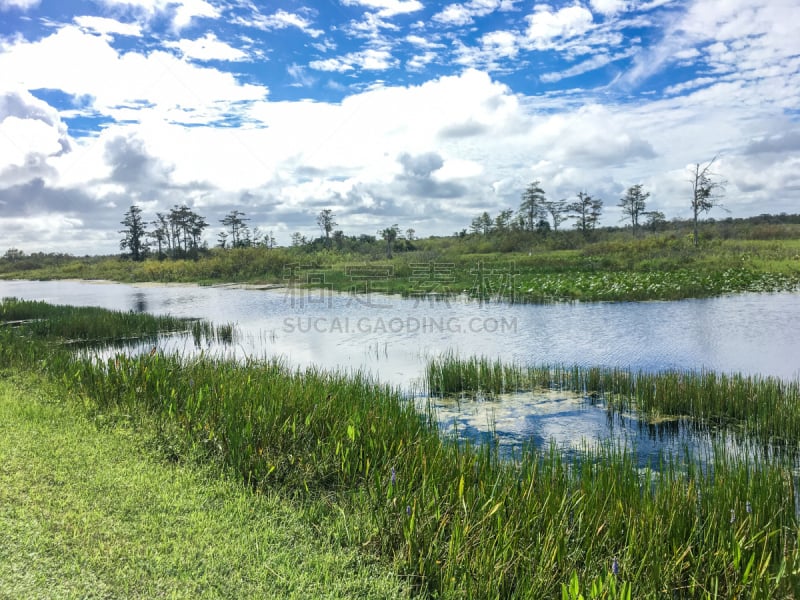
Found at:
<point>455,519</point>
<point>567,267</point>
<point>766,408</point>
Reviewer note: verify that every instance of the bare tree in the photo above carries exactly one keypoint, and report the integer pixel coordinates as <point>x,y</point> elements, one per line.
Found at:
<point>706,191</point>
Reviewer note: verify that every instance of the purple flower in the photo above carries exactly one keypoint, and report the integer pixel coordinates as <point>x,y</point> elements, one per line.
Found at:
<point>394,476</point>
<point>615,567</point>
<point>748,507</point>
<point>408,509</point>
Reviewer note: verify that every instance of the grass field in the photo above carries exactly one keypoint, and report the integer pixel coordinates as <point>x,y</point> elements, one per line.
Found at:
<point>91,509</point>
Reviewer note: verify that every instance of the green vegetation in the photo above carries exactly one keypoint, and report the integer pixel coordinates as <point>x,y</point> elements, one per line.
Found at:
<point>456,520</point>
<point>90,509</point>
<point>515,265</point>
<point>765,408</point>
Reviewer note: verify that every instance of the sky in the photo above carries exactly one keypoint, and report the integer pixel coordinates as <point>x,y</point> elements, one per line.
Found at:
<point>418,113</point>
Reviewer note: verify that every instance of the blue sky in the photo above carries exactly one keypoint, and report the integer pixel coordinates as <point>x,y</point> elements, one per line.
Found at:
<point>413,112</point>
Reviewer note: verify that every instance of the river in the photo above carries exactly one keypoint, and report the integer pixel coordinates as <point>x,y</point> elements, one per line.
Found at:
<point>391,337</point>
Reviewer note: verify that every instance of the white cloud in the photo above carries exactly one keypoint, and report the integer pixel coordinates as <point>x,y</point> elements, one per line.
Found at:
<point>370,59</point>
<point>609,7</point>
<point>680,88</point>
<point>19,4</point>
<point>124,86</point>
<point>596,62</point>
<point>422,42</point>
<point>281,19</point>
<point>496,48</point>
<point>419,61</point>
<point>183,12</point>
<point>188,10</point>
<point>208,48</point>
<point>463,14</point>
<point>106,26</point>
<point>546,26</point>
<point>388,8</point>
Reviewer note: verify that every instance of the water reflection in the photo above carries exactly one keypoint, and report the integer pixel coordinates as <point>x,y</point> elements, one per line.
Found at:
<point>392,338</point>
<point>139,302</point>
<point>573,423</point>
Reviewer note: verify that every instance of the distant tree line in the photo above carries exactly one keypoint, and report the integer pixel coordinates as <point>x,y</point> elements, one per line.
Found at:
<point>538,214</point>
<point>179,233</point>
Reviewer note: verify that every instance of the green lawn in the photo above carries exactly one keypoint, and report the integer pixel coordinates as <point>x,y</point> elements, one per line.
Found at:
<point>92,511</point>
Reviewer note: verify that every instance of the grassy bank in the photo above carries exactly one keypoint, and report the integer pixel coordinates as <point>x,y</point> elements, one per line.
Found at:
<point>90,511</point>
<point>454,520</point>
<point>564,267</point>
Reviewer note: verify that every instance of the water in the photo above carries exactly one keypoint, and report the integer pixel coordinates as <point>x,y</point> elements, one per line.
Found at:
<point>392,338</point>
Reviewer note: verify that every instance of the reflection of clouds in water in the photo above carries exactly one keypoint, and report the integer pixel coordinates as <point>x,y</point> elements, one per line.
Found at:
<point>574,424</point>
<point>752,333</point>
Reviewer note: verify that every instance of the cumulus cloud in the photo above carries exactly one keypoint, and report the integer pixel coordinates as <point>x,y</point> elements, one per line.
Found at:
<point>546,26</point>
<point>129,85</point>
<point>32,133</point>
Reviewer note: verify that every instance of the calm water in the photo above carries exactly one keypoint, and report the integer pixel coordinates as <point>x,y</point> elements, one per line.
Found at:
<point>392,337</point>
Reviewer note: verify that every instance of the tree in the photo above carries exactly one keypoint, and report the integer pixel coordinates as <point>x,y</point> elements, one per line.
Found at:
<point>134,233</point>
<point>326,221</point>
<point>236,224</point>
<point>185,229</point>
<point>586,211</point>
<point>532,206</point>
<point>557,210</point>
<point>633,205</point>
<point>298,239</point>
<point>389,235</point>
<point>338,239</point>
<point>502,222</point>
<point>655,220</point>
<point>706,192</point>
<point>13,255</point>
<point>160,234</point>
<point>410,233</point>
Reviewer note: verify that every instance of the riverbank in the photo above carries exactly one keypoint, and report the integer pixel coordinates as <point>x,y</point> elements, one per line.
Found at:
<point>658,267</point>
<point>89,507</point>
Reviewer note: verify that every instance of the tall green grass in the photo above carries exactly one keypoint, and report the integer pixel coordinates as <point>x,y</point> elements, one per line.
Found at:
<point>765,407</point>
<point>458,520</point>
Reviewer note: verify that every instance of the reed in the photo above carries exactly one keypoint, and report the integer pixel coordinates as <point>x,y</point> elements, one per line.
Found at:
<point>767,408</point>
